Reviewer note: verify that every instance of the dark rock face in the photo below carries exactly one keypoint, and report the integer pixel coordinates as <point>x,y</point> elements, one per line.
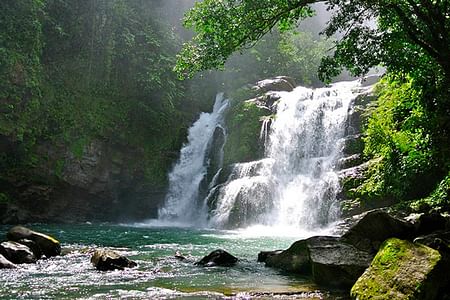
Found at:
<point>104,183</point>
<point>6,264</point>
<point>33,247</point>
<point>439,241</point>
<point>218,258</point>
<point>374,228</point>
<point>404,270</point>
<point>329,260</point>
<point>428,223</point>
<point>47,244</point>
<point>107,260</point>
<point>263,255</point>
<point>17,253</point>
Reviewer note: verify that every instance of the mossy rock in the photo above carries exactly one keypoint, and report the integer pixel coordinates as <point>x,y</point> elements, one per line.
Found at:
<point>403,270</point>
<point>244,125</point>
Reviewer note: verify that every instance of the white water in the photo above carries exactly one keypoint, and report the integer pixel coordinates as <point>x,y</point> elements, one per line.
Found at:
<point>182,205</point>
<point>295,186</point>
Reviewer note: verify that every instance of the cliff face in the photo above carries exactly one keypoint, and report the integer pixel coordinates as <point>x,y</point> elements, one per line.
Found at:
<point>105,182</point>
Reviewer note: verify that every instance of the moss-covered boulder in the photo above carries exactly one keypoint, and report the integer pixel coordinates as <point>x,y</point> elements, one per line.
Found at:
<point>404,270</point>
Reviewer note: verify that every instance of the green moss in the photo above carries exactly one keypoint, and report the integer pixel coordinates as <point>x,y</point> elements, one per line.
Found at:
<point>398,271</point>
<point>244,125</point>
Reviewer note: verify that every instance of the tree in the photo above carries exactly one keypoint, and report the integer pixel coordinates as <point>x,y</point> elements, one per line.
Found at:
<point>410,33</point>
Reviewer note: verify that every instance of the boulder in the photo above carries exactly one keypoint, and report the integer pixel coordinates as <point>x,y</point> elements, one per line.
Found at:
<point>330,261</point>
<point>263,255</point>
<point>6,264</point>
<point>374,228</point>
<point>17,253</point>
<point>439,241</point>
<point>33,247</point>
<point>108,260</point>
<point>280,83</point>
<point>428,223</point>
<point>47,244</point>
<point>295,259</point>
<point>218,258</point>
<point>404,270</point>
<point>335,263</point>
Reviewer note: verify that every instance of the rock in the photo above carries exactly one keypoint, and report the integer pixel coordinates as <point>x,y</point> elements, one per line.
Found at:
<point>439,241</point>
<point>329,260</point>
<point>33,247</point>
<point>350,161</point>
<point>48,245</point>
<point>107,260</point>
<point>263,255</point>
<point>280,83</point>
<point>179,256</point>
<point>17,253</point>
<point>374,228</point>
<point>353,144</point>
<point>335,263</point>
<point>218,258</point>
<point>295,259</point>
<point>428,223</point>
<point>6,264</point>
<point>403,270</point>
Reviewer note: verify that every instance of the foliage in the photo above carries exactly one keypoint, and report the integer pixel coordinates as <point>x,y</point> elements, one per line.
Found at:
<point>72,72</point>
<point>224,27</point>
<point>399,135</point>
<point>439,200</point>
<point>294,53</point>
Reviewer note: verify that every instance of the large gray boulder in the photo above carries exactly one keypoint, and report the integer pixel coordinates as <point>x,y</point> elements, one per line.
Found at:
<point>329,260</point>
<point>404,270</point>
<point>48,245</point>
<point>108,260</point>
<point>218,258</point>
<point>6,264</point>
<point>374,228</point>
<point>17,253</point>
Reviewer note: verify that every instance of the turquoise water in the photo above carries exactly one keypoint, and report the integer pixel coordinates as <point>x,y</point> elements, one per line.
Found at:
<point>158,275</point>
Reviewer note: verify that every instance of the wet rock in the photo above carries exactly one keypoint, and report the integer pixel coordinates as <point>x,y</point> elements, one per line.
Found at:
<point>263,255</point>
<point>17,253</point>
<point>179,256</point>
<point>329,260</point>
<point>6,264</point>
<point>403,270</point>
<point>353,144</point>
<point>48,245</point>
<point>218,258</point>
<point>33,247</point>
<point>281,83</point>
<point>374,228</point>
<point>295,259</point>
<point>107,260</point>
<point>350,161</point>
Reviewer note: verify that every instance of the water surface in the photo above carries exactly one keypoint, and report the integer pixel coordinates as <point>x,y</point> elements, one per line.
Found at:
<point>158,275</point>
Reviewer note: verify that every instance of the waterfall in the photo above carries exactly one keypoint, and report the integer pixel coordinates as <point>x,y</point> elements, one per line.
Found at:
<point>191,171</point>
<point>296,184</point>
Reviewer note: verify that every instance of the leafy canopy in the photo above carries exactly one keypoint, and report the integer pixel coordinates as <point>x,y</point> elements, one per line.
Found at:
<point>411,34</point>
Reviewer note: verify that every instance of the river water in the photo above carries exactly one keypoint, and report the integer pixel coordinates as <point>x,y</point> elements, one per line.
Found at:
<point>158,275</point>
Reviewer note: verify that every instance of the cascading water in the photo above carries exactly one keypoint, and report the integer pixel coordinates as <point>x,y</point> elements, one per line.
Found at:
<point>182,200</point>
<point>296,184</point>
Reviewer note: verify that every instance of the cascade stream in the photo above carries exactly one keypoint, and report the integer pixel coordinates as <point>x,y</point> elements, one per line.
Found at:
<point>294,185</point>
